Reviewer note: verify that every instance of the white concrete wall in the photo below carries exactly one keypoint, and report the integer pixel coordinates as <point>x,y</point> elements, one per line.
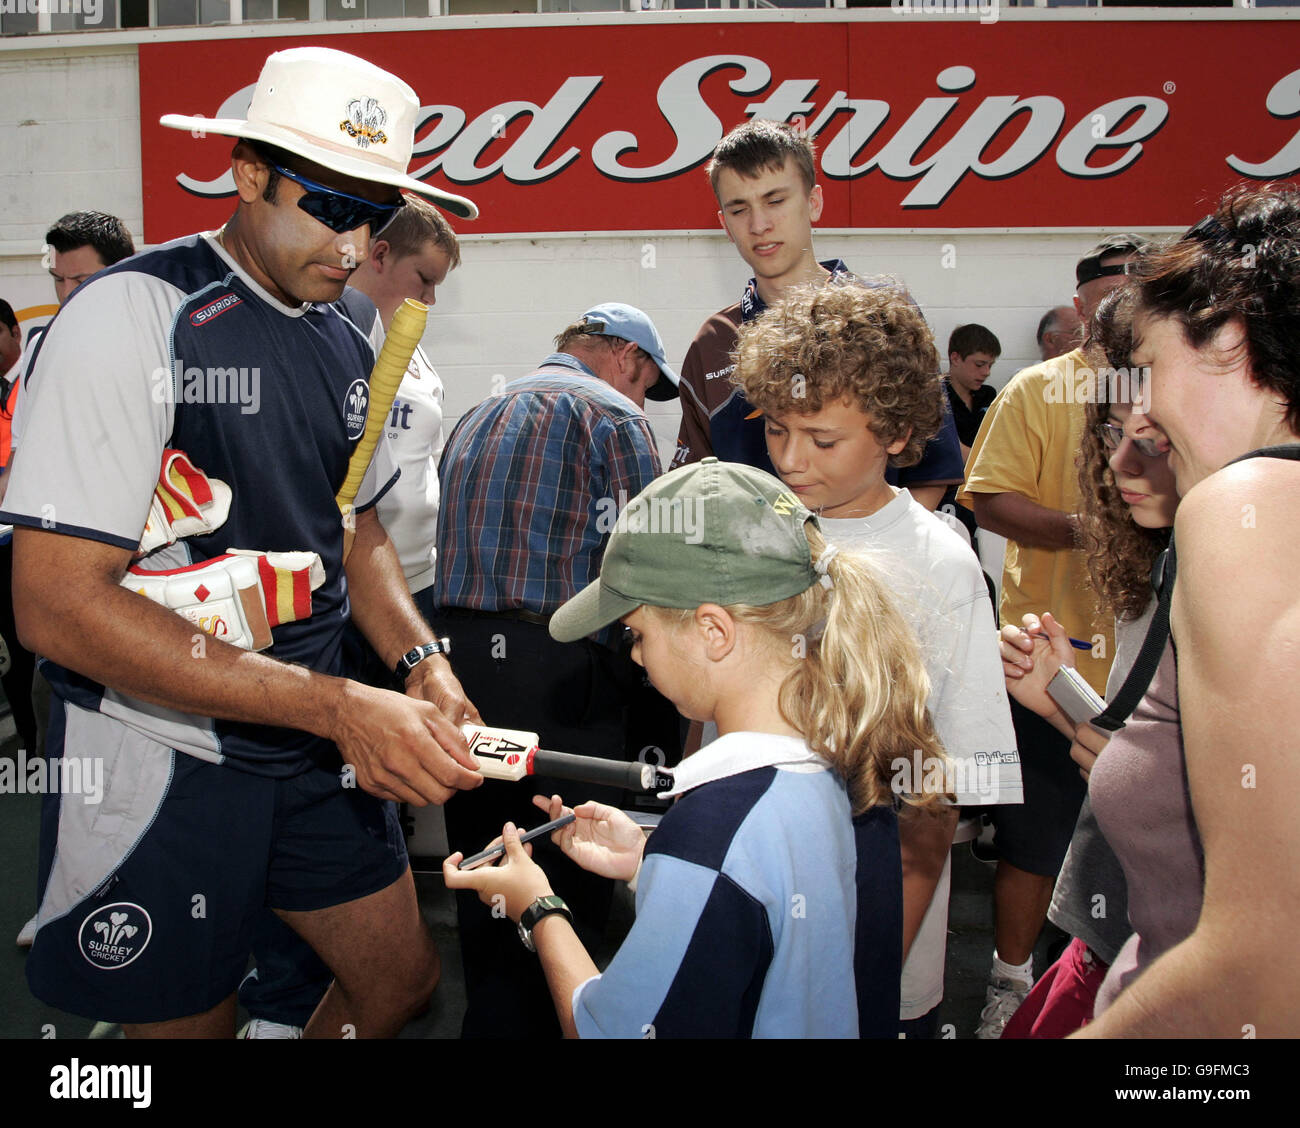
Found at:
<point>497,313</point>
<point>70,140</point>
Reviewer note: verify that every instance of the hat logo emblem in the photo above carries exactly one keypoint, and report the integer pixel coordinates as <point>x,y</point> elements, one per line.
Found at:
<point>783,504</point>
<point>365,122</point>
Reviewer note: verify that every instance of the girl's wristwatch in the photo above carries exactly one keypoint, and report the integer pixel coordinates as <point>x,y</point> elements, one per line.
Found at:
<point>543,906</point>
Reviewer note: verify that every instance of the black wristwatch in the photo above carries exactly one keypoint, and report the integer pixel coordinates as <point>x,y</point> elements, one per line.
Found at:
<point>543,906</point>
<point>417,654</point>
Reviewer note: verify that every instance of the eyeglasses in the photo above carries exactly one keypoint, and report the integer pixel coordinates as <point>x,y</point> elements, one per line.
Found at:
<point>1112,435</point>
<point>337,210</point>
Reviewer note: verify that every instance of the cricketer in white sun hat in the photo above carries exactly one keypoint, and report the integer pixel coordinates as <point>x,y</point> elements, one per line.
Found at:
<point>338,111</point>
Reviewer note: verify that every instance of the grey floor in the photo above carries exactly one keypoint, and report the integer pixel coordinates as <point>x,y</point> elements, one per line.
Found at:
<point>970,942</point>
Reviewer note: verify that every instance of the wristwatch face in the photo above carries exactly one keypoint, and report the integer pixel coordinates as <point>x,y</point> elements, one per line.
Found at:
<point>418,654</point>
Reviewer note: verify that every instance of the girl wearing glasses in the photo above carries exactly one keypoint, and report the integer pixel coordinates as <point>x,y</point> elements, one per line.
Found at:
<point>1128,502</point>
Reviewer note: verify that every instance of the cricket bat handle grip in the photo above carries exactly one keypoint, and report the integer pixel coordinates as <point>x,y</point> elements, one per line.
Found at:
<point>400,343</point>
<point>634,776</point>
<point>511,754</point>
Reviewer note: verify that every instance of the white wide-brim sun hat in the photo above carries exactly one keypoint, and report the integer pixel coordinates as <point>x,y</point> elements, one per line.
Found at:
<point>338,111</point>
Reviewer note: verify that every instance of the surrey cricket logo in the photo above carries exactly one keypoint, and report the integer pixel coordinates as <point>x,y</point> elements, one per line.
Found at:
<point>114,935</point>
<point>365,121</point>
<point>354,408</point>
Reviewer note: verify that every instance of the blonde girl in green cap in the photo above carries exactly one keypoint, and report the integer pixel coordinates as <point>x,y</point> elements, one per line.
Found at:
<point>769,898</point>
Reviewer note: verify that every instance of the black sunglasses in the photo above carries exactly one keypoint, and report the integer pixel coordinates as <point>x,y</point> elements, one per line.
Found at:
<point>337,210</point>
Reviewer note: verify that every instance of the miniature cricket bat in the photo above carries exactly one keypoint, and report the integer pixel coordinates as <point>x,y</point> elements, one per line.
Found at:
<point>511,754</point>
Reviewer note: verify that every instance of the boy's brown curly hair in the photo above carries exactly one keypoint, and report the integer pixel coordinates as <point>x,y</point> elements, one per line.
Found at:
<point>823,341</point>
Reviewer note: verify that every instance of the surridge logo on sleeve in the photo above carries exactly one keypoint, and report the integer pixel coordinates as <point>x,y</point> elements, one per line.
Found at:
<point>113,936</point>
<point>355,408</point>
<point>214,308</point>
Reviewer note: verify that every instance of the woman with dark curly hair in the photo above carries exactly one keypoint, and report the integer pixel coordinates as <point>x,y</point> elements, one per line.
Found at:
<point>1196,795</point>
<point>1128,502</point>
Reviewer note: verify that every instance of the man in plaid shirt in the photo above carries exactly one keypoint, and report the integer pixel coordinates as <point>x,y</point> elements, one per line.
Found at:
<point>532,481</point>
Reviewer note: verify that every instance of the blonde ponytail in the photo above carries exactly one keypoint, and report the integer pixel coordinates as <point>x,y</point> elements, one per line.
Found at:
<point>858,689</point>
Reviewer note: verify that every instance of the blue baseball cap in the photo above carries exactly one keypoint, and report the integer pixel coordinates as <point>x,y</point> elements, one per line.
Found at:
<point>630,324</point>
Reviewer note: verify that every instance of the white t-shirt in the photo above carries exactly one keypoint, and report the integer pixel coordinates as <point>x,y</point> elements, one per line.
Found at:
<point>940,589</point>
<point>19,375</point>
<point>409,511</point>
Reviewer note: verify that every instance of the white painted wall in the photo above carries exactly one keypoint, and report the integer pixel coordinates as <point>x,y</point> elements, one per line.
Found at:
<point>498,312</point>
<point>70,140</point>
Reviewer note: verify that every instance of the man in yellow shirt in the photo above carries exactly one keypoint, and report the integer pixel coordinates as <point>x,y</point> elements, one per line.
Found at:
<point>1022,483</point>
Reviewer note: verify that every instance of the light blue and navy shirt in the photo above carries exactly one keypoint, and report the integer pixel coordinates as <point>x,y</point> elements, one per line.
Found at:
<point>179,348</point>
<point>764,909</point>
<point>532,480</point>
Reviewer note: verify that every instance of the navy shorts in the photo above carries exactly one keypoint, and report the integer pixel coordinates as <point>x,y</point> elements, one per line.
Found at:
<point>150,895</point>
<point>1034,835</point>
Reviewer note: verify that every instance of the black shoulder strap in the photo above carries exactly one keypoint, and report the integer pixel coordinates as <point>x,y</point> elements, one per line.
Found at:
<point>1153,646</point>
<point>1286,450</point>
<point>1144,668</point>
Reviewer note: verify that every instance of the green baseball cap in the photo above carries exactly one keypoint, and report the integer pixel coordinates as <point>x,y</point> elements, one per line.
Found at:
<point>713,532</point>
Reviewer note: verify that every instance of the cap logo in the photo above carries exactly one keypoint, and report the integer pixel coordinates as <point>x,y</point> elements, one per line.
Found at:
<point>784,504</point>
<point>365,122</point>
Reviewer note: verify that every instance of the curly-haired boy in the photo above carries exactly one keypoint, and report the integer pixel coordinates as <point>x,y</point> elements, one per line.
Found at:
<point>846,377</point>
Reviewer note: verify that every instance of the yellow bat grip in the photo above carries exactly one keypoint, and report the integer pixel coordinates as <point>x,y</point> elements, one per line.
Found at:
<point>399,346</point>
